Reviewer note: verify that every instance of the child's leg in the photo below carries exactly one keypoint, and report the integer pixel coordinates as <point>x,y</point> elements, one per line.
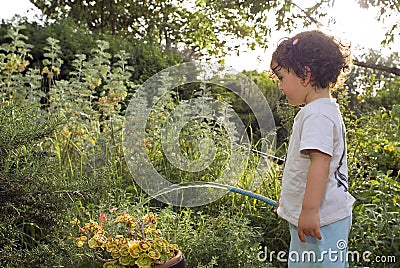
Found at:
<point>330,251</point>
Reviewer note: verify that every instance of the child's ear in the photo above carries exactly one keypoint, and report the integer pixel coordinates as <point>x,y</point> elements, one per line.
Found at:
<point>307,76</point>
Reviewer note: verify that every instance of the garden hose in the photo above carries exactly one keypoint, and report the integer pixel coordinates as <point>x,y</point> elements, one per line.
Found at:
<point>246,193</point>
<point>232,189</point>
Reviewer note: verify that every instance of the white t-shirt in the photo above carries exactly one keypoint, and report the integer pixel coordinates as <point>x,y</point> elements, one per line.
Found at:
<point>318,125</point>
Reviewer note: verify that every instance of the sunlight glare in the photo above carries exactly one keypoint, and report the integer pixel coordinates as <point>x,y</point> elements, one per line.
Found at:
<point>20,7</point>
<point>355,24</point>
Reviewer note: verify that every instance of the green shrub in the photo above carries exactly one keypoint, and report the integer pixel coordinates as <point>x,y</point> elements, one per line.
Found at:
<point>226,239</point>
<point>31,209</point>
<point>370,148</point>
<point>376,215</point>
<point>374,163</point>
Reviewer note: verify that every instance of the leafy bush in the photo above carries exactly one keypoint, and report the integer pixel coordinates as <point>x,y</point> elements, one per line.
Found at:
<point>371,149</point>
<point>227,239</point>
<point>75,39</point>
<point>374,163</point>
<point>31,209</point>
<point>376,215</point>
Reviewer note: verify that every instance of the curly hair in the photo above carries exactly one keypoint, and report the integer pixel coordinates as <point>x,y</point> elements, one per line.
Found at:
<point>328,59</point>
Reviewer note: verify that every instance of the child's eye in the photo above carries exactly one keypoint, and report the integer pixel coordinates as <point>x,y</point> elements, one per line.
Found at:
<point>280,78</point>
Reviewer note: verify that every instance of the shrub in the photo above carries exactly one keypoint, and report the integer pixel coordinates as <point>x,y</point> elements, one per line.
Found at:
<point>226,239</point>
<point>30,210</point>
<point>376,215</point>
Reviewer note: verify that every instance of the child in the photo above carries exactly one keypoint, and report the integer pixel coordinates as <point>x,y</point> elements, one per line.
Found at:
<point>314,197</point>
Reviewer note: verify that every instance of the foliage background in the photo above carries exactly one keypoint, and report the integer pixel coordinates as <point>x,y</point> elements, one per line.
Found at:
<point>64,87</point>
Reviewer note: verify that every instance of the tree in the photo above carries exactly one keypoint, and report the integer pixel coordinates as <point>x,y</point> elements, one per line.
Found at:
<point>201,27</point>
<point>387,8</point>
<point>205,27</point>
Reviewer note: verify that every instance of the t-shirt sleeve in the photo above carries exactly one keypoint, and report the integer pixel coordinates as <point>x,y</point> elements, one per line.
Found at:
<point>317,133</point>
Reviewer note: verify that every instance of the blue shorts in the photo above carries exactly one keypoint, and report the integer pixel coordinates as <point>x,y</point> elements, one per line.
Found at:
<point>330,251</point>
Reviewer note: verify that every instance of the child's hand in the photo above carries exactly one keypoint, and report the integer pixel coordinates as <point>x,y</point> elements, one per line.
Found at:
<point>277,204</point>
<point>309,224</point>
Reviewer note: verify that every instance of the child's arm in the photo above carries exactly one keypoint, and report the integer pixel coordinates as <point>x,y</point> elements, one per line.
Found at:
<point>309,223</point>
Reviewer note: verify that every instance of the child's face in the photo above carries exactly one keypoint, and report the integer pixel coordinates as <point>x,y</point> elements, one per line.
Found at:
<point>291,85</point>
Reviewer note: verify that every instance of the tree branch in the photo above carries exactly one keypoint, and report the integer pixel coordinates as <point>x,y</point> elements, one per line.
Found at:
<point>392,70</point>
<point>313,20</point>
